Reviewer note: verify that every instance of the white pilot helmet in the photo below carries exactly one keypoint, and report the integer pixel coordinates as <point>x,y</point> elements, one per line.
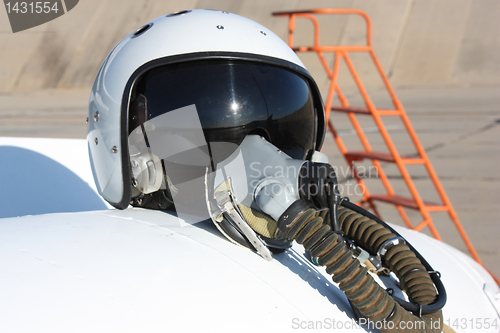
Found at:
<point>242,78</point>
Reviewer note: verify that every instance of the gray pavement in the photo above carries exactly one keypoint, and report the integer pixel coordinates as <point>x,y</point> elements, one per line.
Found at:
<point>49,113</point>
<point>459,127</point>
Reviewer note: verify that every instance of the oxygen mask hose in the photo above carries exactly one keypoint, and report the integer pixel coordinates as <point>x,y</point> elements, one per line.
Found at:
<point>302,224</point>
<point>308,208</point>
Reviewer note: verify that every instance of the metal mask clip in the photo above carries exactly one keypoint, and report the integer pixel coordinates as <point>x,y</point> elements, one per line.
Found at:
<point>227,204</point>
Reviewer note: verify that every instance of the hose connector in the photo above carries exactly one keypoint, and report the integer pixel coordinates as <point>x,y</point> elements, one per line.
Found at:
<point>382,250</point>
<point>295,210</point>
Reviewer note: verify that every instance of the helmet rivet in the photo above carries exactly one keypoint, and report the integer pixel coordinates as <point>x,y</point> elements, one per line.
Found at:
<point>220,27</point>
<point>114,149</point>
<point>96,141</point>
<point>262,32</point>
<point>96,116</point>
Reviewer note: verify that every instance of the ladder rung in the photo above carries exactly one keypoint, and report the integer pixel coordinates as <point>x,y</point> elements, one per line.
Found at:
<point>437,208</point>
<point>407,202</point>
<point>360,155</point>
<point>351,109</point>
<point>327,48</point>
<point>389,112</point>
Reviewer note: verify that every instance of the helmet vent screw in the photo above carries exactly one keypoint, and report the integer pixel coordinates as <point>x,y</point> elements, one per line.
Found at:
<point>96,116</point>
<point>114,149</point>
<point>220,27</point>
<point>262,32</point>
<point>96,141</point>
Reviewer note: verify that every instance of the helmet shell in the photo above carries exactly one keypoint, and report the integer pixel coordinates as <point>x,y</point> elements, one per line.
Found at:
<point>178,37</point>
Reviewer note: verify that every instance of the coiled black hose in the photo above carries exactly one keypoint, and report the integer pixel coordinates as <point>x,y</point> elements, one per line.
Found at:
<point>425,309</point>
<point>302,224</point>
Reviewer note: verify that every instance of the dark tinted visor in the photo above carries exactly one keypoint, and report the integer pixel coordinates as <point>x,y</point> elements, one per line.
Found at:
<point>233,98</point>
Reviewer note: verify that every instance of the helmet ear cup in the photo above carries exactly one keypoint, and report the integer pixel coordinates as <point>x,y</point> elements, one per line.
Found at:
<point>147,172</point>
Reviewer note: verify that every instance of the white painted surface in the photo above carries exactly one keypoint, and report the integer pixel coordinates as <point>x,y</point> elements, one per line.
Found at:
<point>142,270</point>
<point>41,176</point>
<point>139,270</point>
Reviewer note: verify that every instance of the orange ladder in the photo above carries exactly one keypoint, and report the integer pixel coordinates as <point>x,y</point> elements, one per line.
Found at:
<point>415,202</point>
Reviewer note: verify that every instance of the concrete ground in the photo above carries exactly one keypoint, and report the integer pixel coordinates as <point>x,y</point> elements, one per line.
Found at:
<point>459,128</point>
<point>447,42</point>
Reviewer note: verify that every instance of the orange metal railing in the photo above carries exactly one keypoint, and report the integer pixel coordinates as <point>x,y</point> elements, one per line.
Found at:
<point>401,202</point>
